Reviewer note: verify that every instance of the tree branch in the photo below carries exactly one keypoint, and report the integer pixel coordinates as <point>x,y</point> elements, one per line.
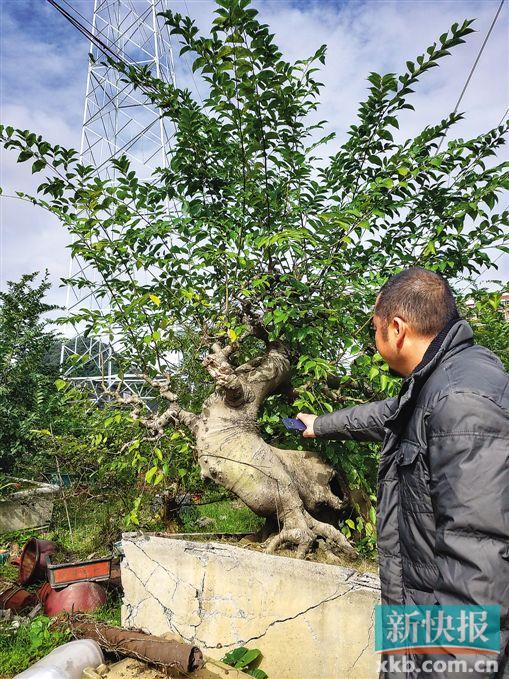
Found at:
<point>253,321</point>
<point>174,413</point>
<point>235,391</point>
<point>156,422</point>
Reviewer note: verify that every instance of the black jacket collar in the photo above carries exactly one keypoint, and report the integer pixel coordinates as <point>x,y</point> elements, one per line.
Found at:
<point>435,345</point>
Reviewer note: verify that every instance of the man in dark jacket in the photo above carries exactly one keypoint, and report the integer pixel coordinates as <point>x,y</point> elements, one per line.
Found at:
<point>443,482</point>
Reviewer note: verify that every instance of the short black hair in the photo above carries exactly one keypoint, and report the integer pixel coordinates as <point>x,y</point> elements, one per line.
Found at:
<point>420,297</point>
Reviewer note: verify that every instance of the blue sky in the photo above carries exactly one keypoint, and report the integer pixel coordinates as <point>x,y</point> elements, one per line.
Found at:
<point>44,65</point>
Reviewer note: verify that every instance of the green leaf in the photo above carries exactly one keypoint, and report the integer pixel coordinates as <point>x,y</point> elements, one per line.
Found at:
<point>248,657</point>
<point>25,155</point>
<point>257,673</point>
<point>38,165</point>
<point>150,474</point>
<point>374,372</point>
<point>233,656</point>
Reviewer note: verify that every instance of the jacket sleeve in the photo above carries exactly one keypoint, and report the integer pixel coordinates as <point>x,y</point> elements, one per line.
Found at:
<point>359,423</point>
<point>468,447</point>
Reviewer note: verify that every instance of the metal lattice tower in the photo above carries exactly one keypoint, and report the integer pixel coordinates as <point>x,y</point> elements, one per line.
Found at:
<point>117,121</point>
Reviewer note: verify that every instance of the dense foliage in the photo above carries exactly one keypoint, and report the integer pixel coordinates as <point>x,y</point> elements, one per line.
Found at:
<point>27,376</point>
<point>250,224</point>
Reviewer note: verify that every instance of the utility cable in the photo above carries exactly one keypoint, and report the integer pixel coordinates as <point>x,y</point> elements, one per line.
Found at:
<point>474,66</point>
<point>503,117</point>
<point>94,39</point>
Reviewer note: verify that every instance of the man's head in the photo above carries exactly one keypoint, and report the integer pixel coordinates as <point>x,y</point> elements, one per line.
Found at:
<point>410,310</point>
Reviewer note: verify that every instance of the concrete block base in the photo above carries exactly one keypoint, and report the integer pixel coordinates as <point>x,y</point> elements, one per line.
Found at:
<point>28,508</point>
<point>309,620</point>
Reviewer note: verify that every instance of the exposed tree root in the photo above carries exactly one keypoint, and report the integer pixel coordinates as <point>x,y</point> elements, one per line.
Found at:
<point>302,531</point>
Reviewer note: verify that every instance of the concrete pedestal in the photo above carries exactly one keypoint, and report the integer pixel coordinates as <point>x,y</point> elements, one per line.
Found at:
<point>310,620</point>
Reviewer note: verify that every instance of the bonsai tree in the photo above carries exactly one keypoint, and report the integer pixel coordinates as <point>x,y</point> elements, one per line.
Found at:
<point>255,258</point>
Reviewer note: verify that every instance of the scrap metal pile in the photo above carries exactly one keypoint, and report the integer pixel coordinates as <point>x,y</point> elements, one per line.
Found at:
<point>68,590</point>
<point>71,587</point>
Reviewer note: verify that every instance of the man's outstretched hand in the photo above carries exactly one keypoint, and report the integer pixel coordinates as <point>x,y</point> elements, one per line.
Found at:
<point>309,421</point>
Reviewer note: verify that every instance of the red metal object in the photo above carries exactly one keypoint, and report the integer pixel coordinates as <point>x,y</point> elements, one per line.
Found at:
<point>43,592</point>
<point>17,599</point>
<point>115,581</point>
<point>80,597</point>
<point>32,567</point>
<point>62,574</point>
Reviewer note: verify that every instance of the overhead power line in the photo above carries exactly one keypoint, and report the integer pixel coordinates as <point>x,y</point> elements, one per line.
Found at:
<point>503,117</point>
<point>102,46</point>
<point>109,53</point>
<point>474,66</point>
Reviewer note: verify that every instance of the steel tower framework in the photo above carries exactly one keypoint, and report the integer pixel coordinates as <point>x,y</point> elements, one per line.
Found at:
<point>117,121</point>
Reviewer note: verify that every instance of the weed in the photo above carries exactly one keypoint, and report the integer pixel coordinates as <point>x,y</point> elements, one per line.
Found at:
<point>223,517</point>
<point>246,660</point>
<point>23,643</point>
<point>110,612</point>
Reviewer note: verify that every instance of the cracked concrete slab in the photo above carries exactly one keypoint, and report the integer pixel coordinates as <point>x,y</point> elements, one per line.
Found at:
<point>310,620</point>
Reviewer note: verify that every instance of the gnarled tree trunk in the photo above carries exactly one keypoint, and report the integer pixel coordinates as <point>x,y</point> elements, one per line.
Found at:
<point>290,488</point>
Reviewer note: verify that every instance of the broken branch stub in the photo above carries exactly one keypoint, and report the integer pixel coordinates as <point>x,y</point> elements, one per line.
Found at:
<point>228,383</point>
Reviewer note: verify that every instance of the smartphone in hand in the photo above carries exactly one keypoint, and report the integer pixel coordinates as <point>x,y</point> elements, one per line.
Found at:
<point>293,424</point>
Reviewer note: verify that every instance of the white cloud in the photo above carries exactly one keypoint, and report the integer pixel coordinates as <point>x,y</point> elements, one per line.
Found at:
<point>44,63</point>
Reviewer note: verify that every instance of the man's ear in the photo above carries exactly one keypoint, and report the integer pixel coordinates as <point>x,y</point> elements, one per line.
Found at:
<point>400,328</point>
